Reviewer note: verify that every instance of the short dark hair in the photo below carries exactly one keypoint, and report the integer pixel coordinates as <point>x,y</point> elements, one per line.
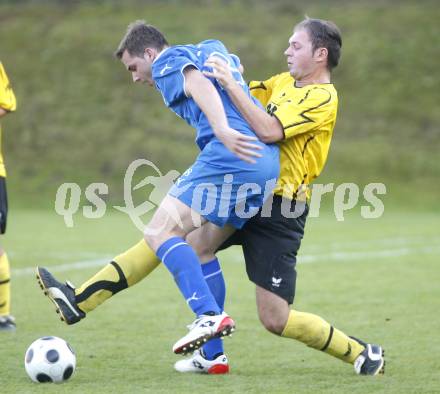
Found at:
<point>138,37</point>
<point>324,34</point>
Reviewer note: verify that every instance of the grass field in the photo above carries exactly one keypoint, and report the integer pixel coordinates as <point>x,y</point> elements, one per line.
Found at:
<point>72,67</point>
<point>376,279</point>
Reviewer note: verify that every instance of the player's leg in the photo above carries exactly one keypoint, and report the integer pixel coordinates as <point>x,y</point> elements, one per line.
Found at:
<point>123,271</point>
<point>315,332</point>
<point>205,241</point>
<point>275,280</point>
<point>166,232</point>
<point>7,322</point>
<point>270,247</point>
<point>211,358</point>
<point>310,329</point>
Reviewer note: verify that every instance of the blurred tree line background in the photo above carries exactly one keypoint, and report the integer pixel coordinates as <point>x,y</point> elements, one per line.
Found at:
<point>81,119</point>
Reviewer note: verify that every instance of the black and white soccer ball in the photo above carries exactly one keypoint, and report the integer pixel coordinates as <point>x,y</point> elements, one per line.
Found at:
<point>50,359</point>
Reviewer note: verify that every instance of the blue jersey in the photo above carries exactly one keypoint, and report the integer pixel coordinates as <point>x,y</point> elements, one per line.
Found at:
<point>167,71</point>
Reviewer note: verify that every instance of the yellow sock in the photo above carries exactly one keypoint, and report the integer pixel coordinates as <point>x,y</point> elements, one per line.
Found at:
<point>315,332</point>
<point>5,285</point>
<point>124,271</point>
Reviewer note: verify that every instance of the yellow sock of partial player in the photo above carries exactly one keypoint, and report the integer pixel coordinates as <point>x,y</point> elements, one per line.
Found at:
<point>5,285</point>
<point>124,271</point>
<point>315,332</point>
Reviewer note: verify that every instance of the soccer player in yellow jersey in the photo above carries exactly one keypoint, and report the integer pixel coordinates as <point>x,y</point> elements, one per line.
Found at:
<point>7,104</point>
<point>301,107</point>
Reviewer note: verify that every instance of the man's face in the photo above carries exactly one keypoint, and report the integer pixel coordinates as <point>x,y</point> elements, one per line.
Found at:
<point>139,67</point>
<point>300,58</point>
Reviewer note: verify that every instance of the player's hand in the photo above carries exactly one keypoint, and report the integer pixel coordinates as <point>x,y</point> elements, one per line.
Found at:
<point>220,71</point>
<point>239,144</point>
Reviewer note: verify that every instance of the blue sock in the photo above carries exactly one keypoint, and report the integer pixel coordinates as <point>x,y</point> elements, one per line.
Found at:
<point>214,278</point>
<point>184,265</point>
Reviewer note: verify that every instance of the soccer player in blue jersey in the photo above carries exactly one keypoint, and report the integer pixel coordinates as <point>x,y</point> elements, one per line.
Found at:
<point>231,156</point>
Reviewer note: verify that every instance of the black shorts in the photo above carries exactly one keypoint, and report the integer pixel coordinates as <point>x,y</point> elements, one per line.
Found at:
<point>3,205</point>
<point>270,245</point>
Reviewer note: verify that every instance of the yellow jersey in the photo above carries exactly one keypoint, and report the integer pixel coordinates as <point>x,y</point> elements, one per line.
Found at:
<point>7,102</point>
<point>308,116</point>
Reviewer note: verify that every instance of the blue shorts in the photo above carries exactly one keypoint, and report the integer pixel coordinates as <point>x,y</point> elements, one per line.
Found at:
<point>225,189</point>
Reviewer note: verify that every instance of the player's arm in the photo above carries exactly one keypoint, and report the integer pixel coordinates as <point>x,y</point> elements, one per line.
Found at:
<point>6,111</point>
<point>8,103</point>
<point>267,127</point>
<point>207,98</point>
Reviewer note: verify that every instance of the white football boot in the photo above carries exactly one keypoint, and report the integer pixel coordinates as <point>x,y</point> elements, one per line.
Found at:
<point>203,329</point>
<point>197,363</point>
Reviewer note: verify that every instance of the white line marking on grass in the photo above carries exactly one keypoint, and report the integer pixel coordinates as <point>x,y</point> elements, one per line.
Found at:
<point>302,259</point>
<point>359,256</point>
<point>78,265</point>
<point>413,241</point>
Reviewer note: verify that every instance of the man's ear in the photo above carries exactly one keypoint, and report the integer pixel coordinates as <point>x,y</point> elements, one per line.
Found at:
<point>321,54</point>
<point>149,54</point>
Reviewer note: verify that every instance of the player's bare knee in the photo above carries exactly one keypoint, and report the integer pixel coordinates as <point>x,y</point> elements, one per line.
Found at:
<point>155,238</point>
<point>195,242</point>
<point>200,247</point>
<point>272,322</point>
<point>204,253</point>
<point>159,230</point>
<point>152,241</point>
<point>273,318</point>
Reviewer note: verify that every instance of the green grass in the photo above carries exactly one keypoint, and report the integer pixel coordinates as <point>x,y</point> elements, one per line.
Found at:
<point>72,92</point>
<point>125,345</point>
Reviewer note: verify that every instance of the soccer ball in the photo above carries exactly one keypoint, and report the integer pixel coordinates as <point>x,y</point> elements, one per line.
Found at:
<point>50,359</point>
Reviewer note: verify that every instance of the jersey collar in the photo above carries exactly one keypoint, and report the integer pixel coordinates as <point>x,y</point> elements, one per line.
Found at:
<point>160,54</point>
